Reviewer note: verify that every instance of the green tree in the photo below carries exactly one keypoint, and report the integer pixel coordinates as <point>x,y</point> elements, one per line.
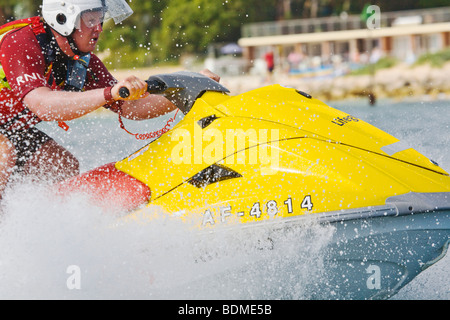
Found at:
<point>16,9</point>
<point>189,26</point>
<point>128,43</point>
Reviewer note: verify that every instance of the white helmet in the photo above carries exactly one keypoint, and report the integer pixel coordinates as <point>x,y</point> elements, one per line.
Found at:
<point>64,15</point>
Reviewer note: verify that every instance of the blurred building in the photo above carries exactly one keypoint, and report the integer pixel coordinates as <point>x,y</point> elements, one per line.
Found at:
<point>347,39</point>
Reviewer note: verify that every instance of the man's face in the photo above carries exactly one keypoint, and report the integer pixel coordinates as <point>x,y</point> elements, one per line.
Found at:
<point>87,34</point>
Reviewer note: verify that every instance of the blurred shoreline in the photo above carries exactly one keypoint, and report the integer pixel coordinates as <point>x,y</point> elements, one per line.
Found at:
<point>400,82</point>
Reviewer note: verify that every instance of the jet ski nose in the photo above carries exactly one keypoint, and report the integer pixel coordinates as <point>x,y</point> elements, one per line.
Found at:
<point>108,188</point>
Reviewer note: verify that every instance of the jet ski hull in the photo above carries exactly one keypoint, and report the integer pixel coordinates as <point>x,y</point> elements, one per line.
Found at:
<point>374,257</point>
<point>376,251</point>
<point>371,254</point>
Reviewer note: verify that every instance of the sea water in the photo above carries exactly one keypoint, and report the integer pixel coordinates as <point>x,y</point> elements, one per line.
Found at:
<point>425,125</point>
<point>52,249</point>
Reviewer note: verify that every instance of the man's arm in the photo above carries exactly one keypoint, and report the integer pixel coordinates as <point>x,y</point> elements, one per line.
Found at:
<point>144,105</point>
<point>140,105</point>
<point>50,105</point>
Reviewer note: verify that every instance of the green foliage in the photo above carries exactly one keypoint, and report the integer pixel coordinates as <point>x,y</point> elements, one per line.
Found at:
<point>16,9</point>
<point>165,30</point>
<point>195,24</point>
<point>436,60</point>
<point>383,63</point>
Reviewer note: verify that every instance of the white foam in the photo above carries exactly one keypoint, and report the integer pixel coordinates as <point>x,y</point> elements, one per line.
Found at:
<point>41,238</point>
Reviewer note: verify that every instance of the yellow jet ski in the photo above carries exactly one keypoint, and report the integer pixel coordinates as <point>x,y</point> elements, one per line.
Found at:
<point>277,156</point>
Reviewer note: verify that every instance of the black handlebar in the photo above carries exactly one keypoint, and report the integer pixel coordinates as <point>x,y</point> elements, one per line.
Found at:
<point>181,88</point>
<point>154,86</point>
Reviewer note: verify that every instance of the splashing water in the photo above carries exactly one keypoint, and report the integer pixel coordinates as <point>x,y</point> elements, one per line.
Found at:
<point>45,242</point>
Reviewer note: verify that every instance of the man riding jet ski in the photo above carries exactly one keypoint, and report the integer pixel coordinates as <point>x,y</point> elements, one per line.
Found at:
<point>388,204</point>
<point>49,73</point>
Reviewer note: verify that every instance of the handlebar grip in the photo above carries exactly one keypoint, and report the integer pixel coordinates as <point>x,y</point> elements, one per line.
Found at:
<point>154,86</point>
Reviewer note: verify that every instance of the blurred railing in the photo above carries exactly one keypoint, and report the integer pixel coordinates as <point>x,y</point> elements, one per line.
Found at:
<point>343,22</point>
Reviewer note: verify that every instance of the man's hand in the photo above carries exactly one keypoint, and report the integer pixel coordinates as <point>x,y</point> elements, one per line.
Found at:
<point>210,74</point>
<point>136,87</point>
